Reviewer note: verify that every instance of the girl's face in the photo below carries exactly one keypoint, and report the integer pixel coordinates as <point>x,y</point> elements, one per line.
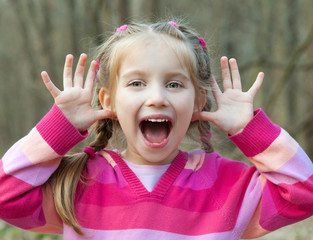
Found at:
<point>154,103</point>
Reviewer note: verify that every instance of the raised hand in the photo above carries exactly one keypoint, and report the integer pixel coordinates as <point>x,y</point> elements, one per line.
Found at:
<point>234,107</point>
<point>75,100</point>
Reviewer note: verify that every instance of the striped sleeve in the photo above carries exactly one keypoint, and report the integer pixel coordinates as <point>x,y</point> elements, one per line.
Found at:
<point>24,199</point>
<point>286,175</point>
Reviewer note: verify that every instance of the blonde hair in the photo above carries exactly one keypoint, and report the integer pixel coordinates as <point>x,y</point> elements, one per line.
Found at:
<point>185,43</point>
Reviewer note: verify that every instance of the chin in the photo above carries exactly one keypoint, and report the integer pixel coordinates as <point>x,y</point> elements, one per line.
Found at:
<point>159,156</point>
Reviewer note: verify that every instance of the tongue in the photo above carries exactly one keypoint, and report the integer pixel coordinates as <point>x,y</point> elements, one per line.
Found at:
<point>155,132</point>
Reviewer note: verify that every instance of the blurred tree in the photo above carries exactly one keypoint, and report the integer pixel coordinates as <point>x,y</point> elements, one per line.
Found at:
<point>292,40</point>
<point>264,35</point>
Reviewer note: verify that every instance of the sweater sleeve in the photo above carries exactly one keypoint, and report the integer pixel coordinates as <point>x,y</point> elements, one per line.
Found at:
<point>25,200</point>
<point>286,175</point>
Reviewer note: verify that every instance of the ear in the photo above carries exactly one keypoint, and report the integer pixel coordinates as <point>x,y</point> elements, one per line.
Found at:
<point>105,100</point>
<point>199,104</point>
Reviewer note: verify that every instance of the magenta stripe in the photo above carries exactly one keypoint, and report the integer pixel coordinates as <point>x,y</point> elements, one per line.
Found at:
<point>102,172</point>
<point>277,204</point>
<point>16,206</point>
<point>58,132</point>
<point>194,180</point>
<point>299,193</point>
<point>260,131</point>
<point>213,168</point>
<point>96,194</point>
<point>190,223</point>
<point>203,178</point>
<point>32,221</point>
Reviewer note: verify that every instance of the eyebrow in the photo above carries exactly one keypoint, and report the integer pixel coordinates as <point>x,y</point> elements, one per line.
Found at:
<point>137,73</point>
<point>143,73</point>
<point>133,73</point>
<point>177,74</point>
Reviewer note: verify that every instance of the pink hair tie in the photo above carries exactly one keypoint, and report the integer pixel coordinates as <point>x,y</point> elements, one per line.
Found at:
<point>202,43</point>
<point>98,66</point>
<point>173,23</point>
<point>90,151</point>
<point>122,28</point>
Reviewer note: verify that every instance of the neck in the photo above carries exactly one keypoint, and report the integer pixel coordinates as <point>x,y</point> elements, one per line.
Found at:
<point>138,159</point>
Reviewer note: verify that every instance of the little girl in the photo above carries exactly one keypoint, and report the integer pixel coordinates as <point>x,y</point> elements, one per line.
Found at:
<point>152,84</point>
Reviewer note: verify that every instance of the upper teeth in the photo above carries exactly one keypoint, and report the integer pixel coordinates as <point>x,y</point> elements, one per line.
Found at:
<point>157,120</point>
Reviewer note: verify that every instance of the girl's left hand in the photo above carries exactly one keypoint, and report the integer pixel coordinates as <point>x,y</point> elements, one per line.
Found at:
<point>234,107</point>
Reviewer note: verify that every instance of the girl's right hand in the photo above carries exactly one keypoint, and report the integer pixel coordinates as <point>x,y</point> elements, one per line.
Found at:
<point>75,100</point>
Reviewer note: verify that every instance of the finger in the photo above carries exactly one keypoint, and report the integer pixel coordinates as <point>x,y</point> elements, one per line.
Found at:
<point>91,75</point>
<point>257,84</point>
<point>67,73</point>
<point>79,72</point>
<point>49,85</point>
<point>235,74</point>
<point>215,88</point>
<point>225,74</point>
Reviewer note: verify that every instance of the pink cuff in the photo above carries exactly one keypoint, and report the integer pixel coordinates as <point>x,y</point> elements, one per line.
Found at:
<point>257,136</point>
<point>58,132</point>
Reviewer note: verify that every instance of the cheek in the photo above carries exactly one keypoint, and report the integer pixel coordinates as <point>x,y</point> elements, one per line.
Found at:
<point>185,108</point>
<point>187,102</point>
<point>126,107</point>
<point>122,108</point>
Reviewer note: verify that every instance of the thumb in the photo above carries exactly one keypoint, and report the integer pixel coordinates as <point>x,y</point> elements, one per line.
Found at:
<point>204,116</point>
<point>49,85</point>
<point>104,114</point>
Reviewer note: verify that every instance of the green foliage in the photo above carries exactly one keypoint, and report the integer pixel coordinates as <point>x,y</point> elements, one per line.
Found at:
<point>8,232</point>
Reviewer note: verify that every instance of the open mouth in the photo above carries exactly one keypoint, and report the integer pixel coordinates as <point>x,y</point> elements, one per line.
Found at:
<point>156,130</point>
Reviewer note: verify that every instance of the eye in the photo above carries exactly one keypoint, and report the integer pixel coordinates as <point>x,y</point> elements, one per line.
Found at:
<point>174,85</point>
<point>136,83</point>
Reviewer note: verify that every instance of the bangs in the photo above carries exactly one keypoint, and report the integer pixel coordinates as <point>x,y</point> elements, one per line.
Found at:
<point>185,55</point>
<point>182,49</point>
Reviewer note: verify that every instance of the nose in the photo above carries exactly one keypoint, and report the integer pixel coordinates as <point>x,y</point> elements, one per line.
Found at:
<point>157,97</point>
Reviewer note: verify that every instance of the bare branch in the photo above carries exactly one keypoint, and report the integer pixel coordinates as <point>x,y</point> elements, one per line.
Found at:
<point>20,15</point>
<point>278,87</point>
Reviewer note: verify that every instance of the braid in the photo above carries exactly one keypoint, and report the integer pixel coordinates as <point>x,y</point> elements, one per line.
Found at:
<point>205,132</point>
<point>70,172</point>
<point>203,77</point>
<point>104,130</point>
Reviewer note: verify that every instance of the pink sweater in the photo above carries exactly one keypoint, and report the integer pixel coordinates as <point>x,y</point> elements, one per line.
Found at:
<point>201,196</point>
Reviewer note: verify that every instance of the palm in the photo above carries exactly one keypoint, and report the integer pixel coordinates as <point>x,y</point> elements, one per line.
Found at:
<point>82,105</point>
<point>75,100</point>
<point>234,107</point>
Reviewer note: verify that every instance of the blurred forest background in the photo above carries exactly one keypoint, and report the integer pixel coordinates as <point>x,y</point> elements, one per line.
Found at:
<point>275,37</point>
